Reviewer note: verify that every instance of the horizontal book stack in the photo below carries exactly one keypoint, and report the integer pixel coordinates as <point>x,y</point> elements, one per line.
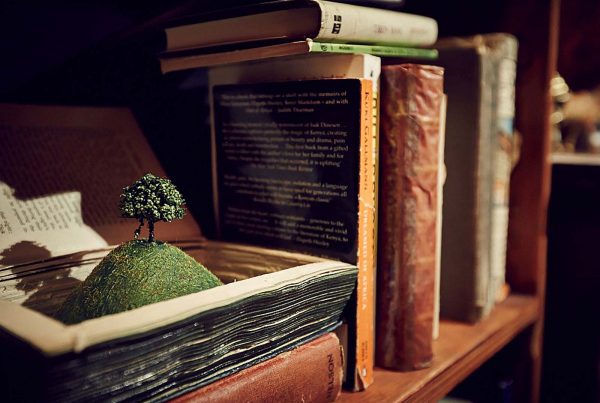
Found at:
<point>286,28</point>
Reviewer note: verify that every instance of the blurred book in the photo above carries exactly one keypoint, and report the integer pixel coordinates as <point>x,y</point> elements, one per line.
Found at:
<point>480,84</point>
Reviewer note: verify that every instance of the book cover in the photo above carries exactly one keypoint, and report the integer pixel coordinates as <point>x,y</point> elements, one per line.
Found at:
<point>57,223</point>
<point>311,372</point>
<point>411,104</point>
<point>475,211</point>
<point>324,219</point>
<point>301,19</point>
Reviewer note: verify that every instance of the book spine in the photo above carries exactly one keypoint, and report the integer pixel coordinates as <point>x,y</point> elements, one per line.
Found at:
<point>438,226</point>
<point>365,309</point>
<point>483,181</point>
<point>350,23</point>
<point>473,252</point>
<point>310,373</point>
<point>410,124</point>
<point>377,50</point>
<point>502,138</point>
<point>462,81</point>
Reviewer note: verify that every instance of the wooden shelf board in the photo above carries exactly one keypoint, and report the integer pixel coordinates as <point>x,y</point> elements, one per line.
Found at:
<point>460,349</point>
<point>576,159</point>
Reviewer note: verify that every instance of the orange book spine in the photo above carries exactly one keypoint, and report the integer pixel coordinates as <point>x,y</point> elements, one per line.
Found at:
<point>365,309</point>
<point>311,372</point>
<point>411,104</point>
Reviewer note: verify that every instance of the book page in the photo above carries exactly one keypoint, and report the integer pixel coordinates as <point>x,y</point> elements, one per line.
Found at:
<point>63,170</point>
<point>39,228</point>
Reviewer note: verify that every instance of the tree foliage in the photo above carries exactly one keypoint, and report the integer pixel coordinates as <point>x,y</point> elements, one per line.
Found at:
<point>153,199</point>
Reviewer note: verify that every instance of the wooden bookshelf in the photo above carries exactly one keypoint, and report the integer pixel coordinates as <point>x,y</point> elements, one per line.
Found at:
<point>460,349</point>
<point>576,159</point>
<point>100,77</point>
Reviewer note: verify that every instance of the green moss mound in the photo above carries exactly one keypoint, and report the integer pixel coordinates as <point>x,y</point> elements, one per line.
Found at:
<point>134,274</point>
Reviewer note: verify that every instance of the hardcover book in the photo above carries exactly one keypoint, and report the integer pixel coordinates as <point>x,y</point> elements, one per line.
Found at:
<point>291,20</point>
<point>311,372</point>
<point>64,168</point>
<point>412,100</point>
<point>480,77</point>
<point>296,168</point>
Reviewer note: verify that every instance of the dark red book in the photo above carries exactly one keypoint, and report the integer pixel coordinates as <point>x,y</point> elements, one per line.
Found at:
<point>411,99</point>
<point>311,372</point>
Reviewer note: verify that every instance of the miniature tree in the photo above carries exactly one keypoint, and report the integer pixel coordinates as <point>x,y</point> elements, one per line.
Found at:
<point>139,272</point>
<point>152,199</point>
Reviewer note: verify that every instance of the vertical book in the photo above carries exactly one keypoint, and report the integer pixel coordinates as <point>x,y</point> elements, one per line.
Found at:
<point>295,147</point>
<point>411,106</point>
<point>480,74</point>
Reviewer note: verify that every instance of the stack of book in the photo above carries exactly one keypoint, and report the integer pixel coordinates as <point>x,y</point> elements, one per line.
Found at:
<point>285,28</point>
<point>480,83</point>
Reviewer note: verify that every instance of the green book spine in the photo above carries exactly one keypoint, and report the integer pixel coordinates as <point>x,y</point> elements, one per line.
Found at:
<point>377,50</point>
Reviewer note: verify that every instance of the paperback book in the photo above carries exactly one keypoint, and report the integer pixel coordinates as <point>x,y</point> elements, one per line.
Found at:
<point>295,148</point>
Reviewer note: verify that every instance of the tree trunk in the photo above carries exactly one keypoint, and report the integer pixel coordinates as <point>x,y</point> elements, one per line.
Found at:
<point>151,230</point>
<point>136,233</point>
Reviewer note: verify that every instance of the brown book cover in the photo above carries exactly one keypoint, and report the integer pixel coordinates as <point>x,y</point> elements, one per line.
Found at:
<point>411,99</point>
<point>311,372</point>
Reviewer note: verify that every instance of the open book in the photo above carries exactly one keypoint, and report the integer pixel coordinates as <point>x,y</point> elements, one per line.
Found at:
<point>63,171</point>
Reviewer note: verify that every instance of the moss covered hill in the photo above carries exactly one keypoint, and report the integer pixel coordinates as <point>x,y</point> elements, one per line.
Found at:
<point>134,274</point>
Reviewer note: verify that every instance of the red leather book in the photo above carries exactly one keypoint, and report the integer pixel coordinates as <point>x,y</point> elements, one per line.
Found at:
<point>311,372</point>
<point>411,99</point>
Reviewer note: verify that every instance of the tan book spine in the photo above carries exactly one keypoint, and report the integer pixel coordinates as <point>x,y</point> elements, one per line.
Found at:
<point>411,97</point>
<point>310,373</point>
